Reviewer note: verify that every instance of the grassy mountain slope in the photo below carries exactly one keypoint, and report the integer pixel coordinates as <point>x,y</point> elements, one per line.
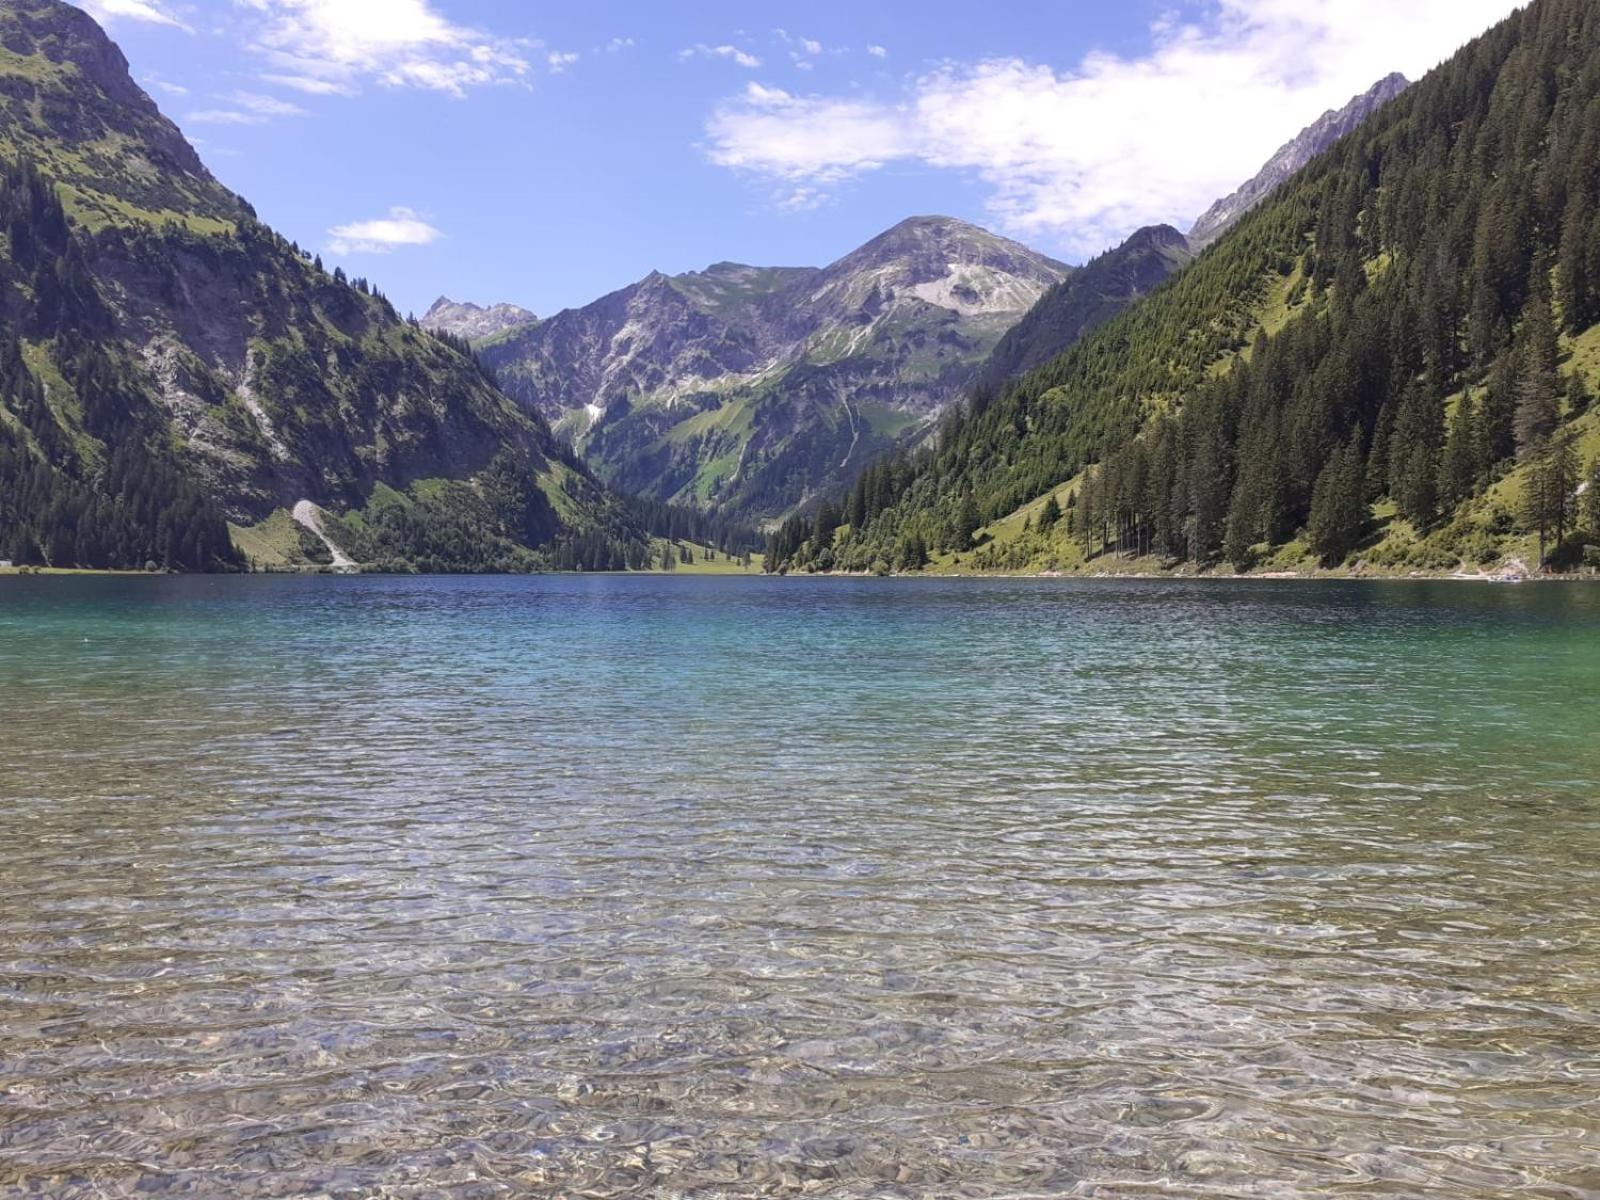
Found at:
<point>1393,336</point>
<point>263,380</point>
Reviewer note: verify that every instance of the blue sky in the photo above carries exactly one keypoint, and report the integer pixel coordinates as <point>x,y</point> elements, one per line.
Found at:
<point>545,153</point>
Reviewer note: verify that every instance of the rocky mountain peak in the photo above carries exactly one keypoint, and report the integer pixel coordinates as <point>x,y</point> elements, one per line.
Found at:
<point>947,239</point>
<point>1156,237</point>
<point>474,321</point>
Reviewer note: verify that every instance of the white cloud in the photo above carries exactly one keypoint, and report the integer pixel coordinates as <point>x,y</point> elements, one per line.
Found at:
<point>333,46</point>
<point>107,11</point>
<point>267,106</point>
<point>402,227</point>
<point>223,116</point>
<point>806,143</point>
<point>247,108</point>
<point>617,44</point>
<point>877,52</point>
<point>1081,157</point>
<point>801,49</point>
<point>559,60</point>
<point>310,86</point>
<point>732,53</point>
<point>171,89</point>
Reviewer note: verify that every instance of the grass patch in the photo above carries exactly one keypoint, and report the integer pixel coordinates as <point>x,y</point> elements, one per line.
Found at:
<point>703,563</point>
<point>271,545</point>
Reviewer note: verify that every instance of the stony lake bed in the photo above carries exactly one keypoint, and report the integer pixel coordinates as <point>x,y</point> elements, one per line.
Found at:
<point>732,887</point>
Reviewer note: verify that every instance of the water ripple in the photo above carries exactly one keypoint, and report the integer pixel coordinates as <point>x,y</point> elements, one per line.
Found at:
<point>701,888</point>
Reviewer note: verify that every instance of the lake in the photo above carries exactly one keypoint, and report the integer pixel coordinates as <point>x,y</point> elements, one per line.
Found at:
<point>730,887</point>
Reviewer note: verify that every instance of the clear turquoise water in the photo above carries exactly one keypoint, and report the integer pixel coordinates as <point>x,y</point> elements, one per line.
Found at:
<point>704,887</point>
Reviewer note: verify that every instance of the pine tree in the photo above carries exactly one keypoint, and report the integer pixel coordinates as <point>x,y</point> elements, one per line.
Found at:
<point>1591,499</point>
<point>1462,469</point>
<point>967,522</point>
<point>1050,514</point>
<point>1086,513</point>
<point>1550,497</point>
<point>1576,284</point>
<point>1339,511</point>
<point>1538,379</point>
<point>1415,457</point>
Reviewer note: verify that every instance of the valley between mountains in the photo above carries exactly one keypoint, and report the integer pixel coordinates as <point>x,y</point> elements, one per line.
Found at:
<point>1377,353</point>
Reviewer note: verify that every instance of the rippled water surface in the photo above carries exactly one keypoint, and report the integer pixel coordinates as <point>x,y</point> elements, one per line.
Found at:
<point>732,888</point>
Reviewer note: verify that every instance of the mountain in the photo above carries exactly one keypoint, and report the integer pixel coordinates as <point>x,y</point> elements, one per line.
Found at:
<point>754,389</point>
<point>1387,365</point>
<point>1311,141</point>
<point>169,366</point>
<point>1087,299</point>
<point>474,322</point>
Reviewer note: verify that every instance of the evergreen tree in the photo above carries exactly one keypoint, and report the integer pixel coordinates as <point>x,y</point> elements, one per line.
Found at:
<point>1414,458</point>
<point>1339,511</point>
<point>967,522</point>
<point>1549,499</point>
<point>1463,467</point>
<point>1591,499</point>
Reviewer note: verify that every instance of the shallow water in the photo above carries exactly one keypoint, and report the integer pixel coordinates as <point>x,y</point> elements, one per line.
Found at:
<point>732,887</point>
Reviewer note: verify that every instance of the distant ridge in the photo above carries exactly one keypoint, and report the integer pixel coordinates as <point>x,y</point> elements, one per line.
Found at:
<point>1291,157</point>
<point>474,321</point>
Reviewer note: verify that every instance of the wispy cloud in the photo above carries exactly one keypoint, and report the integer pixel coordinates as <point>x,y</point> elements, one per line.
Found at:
<point>247,108</point>
<point>310,86</point>
<point>559,60</point>
<point>1083,156</point>
<point>401,228</point>
<point>167,86</point>
<point>152,11</point>
<point>336,46</point>
<point>732,53</point>
<point>877,52</point>
<point>618,44</point>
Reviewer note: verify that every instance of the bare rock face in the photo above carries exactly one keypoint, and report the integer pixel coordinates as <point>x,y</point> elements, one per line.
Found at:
<point>1287,162</point>
<point>473,321</point>
<point>754,389</point>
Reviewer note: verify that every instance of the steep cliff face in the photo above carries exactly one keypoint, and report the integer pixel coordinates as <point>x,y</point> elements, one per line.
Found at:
<point>1282,167</point>
<point>277,381</point>
<point>67,101</point>
<point>753,389</point>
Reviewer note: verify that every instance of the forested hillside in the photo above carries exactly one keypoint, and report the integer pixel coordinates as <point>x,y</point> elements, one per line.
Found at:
<point>87,476</point>
<point>1389,362</point>
<point>1086,300</point>
<point>169,365</point>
